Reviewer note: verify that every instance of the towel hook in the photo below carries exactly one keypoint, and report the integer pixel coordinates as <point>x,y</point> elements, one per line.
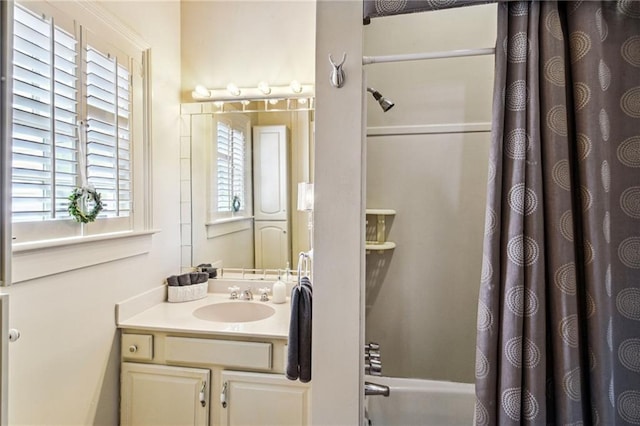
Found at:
<point>337,73</point>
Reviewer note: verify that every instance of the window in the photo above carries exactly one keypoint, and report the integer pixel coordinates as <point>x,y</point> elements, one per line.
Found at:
<point>232,168</point>
<point>75,100</point>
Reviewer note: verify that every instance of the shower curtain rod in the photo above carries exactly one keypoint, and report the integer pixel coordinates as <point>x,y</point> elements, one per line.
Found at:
<point>366,60</point>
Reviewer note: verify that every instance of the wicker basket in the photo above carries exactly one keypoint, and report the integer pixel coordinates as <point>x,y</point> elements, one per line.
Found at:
<point>187,293</point>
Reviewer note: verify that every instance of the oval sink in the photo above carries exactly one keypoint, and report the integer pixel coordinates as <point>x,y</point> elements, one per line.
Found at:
<point>234,312</point>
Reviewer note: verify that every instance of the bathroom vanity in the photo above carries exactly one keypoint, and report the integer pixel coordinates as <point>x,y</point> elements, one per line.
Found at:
<point>209,362</point>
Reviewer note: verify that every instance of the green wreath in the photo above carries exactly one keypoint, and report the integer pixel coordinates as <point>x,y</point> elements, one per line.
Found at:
<point>236,203</point>
<point>79,199</point>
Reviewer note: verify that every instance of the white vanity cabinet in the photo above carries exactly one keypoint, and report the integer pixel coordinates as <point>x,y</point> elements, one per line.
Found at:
<point>214,380</point>
<point>162,395</point>
<point>263,399</point>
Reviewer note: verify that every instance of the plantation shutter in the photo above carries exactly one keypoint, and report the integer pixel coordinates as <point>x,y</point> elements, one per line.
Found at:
<point>238,166</point>
<point>108,130</point>
<point>231,166</point>
<point>45,114</point>
<point>224,167</point>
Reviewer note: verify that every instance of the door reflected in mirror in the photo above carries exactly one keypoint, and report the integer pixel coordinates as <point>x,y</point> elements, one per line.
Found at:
<point>243,188</point>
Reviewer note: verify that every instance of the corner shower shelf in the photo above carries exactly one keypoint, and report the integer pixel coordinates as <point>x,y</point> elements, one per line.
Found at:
<point>380,245</point>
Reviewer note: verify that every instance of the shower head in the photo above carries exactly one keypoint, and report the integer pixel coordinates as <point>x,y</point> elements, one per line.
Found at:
<point>385,104</point>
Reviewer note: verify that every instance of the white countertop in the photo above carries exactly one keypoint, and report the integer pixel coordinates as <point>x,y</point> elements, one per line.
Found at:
<point>178,317</point>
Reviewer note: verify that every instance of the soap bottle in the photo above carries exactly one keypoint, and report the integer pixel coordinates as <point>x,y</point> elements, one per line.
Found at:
<point>279,292</point>
<point>287,273</point>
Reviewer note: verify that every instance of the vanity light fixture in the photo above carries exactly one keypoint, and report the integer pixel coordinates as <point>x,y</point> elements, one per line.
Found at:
<point>263,86</point>
<point>233,89</point>
<point>263,91</point>
<point>202,91</point>
<point>305,196</point>
<point>295,86</point>
<point>305,204</point>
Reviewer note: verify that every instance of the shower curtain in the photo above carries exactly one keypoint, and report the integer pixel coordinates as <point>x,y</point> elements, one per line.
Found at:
<point>559,310</point>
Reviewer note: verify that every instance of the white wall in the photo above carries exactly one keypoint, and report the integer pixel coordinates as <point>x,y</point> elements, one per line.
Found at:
<point>64,369</point>
<point>247,42</point>
<point>421,298</point>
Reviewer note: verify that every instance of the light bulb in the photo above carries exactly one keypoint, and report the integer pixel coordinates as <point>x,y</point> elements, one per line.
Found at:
<point>263,86</point>
<point>202,91</point>
<point>233,89</point>
<point>295,86</point>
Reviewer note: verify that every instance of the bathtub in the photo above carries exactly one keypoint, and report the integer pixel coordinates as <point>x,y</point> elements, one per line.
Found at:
<point>414,402</point>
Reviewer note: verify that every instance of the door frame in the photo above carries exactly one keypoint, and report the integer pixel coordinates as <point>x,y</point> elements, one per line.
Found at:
<point>339,219</point>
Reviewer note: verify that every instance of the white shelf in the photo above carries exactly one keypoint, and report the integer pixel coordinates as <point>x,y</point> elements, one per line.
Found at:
<point>383,212</point>
<point>380,247</point>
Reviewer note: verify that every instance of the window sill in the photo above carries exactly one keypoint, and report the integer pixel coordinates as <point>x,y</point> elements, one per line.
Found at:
<point>228,226</point>
<point>42,258</point>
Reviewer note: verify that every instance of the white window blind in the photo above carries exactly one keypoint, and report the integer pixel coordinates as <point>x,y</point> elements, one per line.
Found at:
<point>231,169</point>
<point>51,98</point>
<point>45,111</point>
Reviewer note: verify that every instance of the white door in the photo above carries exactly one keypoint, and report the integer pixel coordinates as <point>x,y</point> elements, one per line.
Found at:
<point>254,399</point>
<point>270,172</point>
<point>271,244</point>
<point>157,395</point>
<point>4,358</point>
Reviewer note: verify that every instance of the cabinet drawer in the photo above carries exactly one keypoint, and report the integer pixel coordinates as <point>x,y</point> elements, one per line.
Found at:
<point>255,355</point>
<point>137,346</point>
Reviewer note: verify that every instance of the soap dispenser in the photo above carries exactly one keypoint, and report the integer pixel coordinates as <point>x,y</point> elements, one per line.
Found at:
<point>279,292</point>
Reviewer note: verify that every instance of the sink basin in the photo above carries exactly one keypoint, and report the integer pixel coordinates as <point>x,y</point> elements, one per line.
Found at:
<point>234,312</point>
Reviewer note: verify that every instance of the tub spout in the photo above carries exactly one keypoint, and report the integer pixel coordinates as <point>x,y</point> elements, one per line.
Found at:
<point>375,389</point>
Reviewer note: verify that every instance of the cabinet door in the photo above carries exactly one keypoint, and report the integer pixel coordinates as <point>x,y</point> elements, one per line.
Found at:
<point>254,399</point>
<point>157,395</point>
<point>271,244</point>
<point>270,173</point>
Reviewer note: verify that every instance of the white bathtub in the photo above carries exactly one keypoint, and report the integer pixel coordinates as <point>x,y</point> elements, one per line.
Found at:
<point>414,402</point>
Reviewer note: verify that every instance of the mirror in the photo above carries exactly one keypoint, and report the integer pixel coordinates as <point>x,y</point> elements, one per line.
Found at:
<point>243,202</point>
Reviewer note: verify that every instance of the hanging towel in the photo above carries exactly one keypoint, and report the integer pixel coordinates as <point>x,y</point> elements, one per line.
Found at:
<point>299,345</point>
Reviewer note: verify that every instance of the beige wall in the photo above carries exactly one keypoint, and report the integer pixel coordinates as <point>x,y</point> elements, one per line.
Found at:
<point>64,369</point>
<point>421,298</point>
<point>247,42</point>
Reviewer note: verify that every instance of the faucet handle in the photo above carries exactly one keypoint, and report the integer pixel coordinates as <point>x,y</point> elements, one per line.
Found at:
<point>372,346</point>
<point>234,291</point>
<point>264,294</point>
<point>373,369</point>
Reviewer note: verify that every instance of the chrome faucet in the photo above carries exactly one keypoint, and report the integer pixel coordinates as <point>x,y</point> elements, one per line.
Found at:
<point>375,389</point>
<point>247,294</point>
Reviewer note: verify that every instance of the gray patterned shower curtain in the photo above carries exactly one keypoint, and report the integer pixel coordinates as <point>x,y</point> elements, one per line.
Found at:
<point>559,310</point>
